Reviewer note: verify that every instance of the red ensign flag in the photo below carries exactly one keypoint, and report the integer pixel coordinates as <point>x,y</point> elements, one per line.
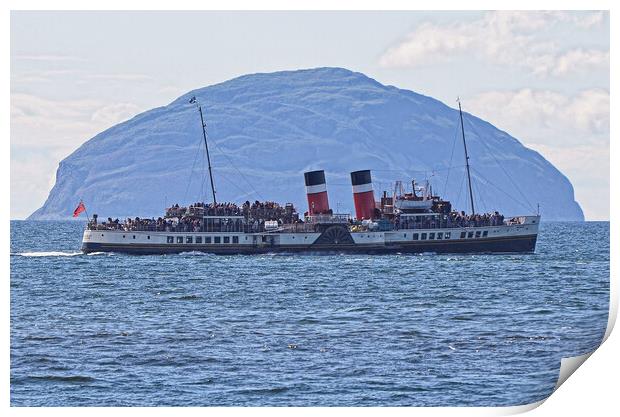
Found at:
<point>80,208</point>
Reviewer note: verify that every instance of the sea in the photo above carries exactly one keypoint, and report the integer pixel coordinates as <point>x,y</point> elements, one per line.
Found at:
<point>195,329</point>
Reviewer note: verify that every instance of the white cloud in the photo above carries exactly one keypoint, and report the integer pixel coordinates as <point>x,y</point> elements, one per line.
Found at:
<point>120,77</point>
<point>20,79</point>
<point>33,174</point>
<point>547,117</point>
<point>28,79</point>
<point>577,58</point>
<point>571,131</point>
<point>43,132</point>
<point>47,58</point>
<point>590,20</point>
<point>511,38</point>
<point>588,168</point>
<point>28,105</point>
<point>73,75</point>
<point>37,121</point>
<point>172,90</point>
<point>115,113</point>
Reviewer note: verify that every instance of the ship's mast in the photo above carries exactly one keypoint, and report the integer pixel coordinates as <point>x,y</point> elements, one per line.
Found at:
<point>204,135</point>
<point>471,195</point>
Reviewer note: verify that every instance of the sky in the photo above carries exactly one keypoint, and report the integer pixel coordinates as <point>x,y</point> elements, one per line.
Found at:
<point>543,77</point>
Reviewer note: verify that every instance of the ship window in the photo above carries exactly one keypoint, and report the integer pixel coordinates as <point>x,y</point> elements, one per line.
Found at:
<point>447,235</point>
<point>226,239</point>
<point>207,239</point>
<point>148,237</point>
<point>123,236</point>
<point>217,239</point>
<point>478,233</point>
<point>102,234</point>
<point>485,233</point>
<point>470,235</point>
<point>415,236</point>
<point>134,236</point>
<point>440,235</point>
<point>423,236</point>
<point>404,234</point>
<point>431,235</point>
<point>462,235</point>
<point>198,239</point>
<point>170,239</point>
<point>189,239</point>
<point>179,239</point>
<point>235,239</point>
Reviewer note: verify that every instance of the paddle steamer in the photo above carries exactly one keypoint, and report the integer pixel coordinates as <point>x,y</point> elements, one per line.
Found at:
<point>398,222</point>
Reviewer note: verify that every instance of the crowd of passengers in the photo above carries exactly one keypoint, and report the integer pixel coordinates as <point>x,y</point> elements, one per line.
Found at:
<point>453,219</point>
<point>190,219</point>
<point>203,209</point>
<point>129,224</point>
<point>258,210</point>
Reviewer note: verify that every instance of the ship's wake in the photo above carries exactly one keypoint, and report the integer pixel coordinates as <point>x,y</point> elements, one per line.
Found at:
<point>58,254</point>
<point>52,253</point>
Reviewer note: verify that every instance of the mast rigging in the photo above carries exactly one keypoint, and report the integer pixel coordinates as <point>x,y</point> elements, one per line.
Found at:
<point>471,195</point>
<point>204,136</point>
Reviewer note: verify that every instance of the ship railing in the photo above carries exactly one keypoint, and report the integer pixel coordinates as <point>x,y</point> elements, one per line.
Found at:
<point>328,218</point>
<point>452,225</point>
<point>123,227</point>
<point>297,228</point>
<point>309,226</point>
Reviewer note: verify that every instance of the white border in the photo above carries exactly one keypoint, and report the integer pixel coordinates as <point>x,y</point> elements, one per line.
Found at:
<point>593,389</point>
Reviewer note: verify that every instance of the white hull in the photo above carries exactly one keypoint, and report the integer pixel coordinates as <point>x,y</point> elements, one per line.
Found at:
<point>444,240</point>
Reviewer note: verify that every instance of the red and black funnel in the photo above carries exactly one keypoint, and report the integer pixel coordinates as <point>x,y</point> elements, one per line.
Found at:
<point>316,191</point>
<point>363,195</point>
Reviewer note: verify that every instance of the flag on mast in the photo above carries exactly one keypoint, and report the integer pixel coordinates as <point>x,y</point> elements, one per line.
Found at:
<point>80,208</point>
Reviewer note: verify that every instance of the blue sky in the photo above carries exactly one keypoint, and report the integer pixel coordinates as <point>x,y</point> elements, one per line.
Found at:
<point>541,76</point>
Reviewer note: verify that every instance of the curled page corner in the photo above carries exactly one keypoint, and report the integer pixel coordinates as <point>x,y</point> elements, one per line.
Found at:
<point>569,365</point>
<point>519,409</point>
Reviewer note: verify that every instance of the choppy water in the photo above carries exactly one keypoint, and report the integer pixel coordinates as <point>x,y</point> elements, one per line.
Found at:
<point>195,329</point>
